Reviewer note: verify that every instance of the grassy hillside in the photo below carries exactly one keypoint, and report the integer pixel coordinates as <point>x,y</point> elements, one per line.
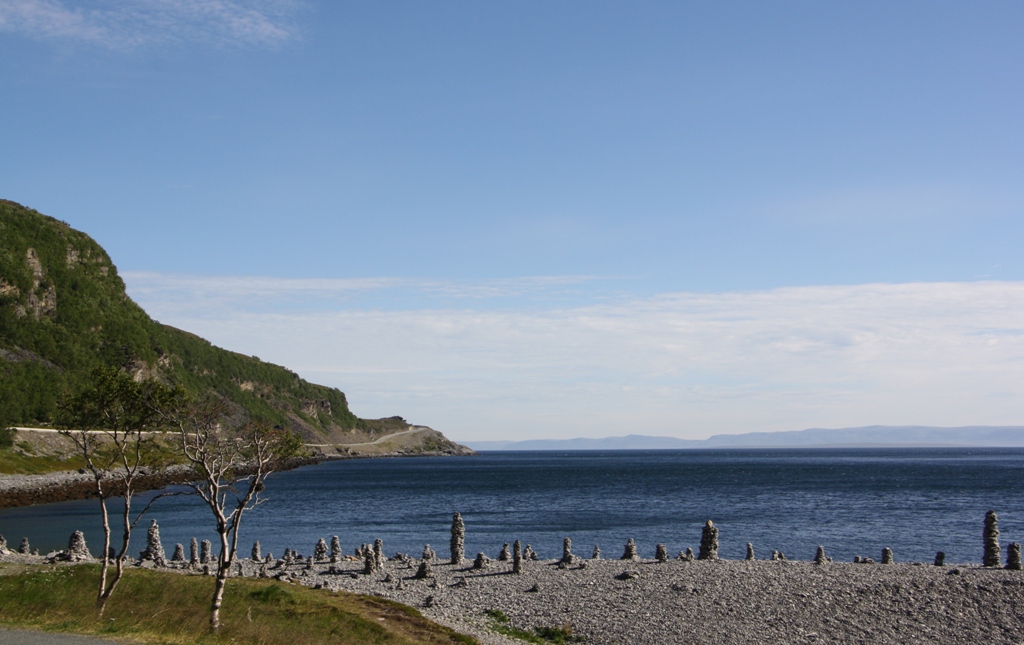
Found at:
<point>64,311</point>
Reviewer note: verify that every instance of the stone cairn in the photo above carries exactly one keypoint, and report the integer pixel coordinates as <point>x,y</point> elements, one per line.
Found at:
<point>428,553</point>
<point>335,549</point>
<point>77,551</point>
<point>3,546</point>
<point>778,556</point>
<point>369,562</point>
<point>1013,556</point>
<point>179,553</point>
<point>661,553</point>
<point>505,554</point>
<point>517,557</point>
<point>378,553</point>
<point>458,547</point>
<point>820,557</point>
<point>596,555</point>
<point>686,556</point>
<point>320,550</point>
<point>24,549</point>
<point>154,548</point>
<point>567,556</point>
<point>481,561</point>
<point>991,557</point>
<point>629,553</point>
<point>940,559</point>
<point>529,553</point>
<point>257,554</point>
<point>708,542</point>
<point>750,551</point>
<point>886,555</point>
<point>424,571</point>
<point>204,552</point>
<point>193,560</point>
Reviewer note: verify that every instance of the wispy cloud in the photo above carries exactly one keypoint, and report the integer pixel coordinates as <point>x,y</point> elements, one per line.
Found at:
<point>130,23</point>
<point>684,364</point>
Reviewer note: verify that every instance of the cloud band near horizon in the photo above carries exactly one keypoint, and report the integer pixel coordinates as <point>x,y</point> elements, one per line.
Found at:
<point>682,364</point>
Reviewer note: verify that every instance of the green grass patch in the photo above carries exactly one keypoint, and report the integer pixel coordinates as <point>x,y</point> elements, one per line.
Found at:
<point>156,607</point>
<point>13,462</point>
<point>501,624</point>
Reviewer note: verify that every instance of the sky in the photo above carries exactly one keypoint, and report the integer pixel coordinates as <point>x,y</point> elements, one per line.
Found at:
<point>523,220</point>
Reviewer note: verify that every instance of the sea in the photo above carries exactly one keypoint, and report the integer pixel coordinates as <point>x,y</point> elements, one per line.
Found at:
<point>854,502</point>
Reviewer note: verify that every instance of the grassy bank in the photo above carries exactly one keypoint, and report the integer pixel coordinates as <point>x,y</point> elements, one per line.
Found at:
<point>154,607</point>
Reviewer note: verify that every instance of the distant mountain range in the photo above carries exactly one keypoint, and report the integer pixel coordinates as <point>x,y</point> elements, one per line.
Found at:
<point>867,436</point>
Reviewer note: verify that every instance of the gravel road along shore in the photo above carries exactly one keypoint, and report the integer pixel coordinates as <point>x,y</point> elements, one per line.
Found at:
<point>705,602</point>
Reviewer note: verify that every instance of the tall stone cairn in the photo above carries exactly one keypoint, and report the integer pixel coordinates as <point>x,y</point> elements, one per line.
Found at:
<point>708,542</point>
<point>750,551</point>
<point>517,557</point>
<point>378,554</point>
<point>886,555</point>
<point>629,553</point>
<point>819,557</point>
<point>1013,556</point>
<point>661,553</point>
<point>24,549</point>
<point>991,557</point>
<point>154,548</point>
<point>567,556</point>
<point>458,543</point>
<point>335,549</point>
<point>596,555</point>
<point>77,550</point>
<point>179,553</point>
<point>205,556</point>
<point>424,571</point>
<point>369,563</point>
<point>481,561</point>
<point>193,560</point>
<point>505,554</point>
<point>428,553</point>
<point>320,550</point>
<point>257,554</point>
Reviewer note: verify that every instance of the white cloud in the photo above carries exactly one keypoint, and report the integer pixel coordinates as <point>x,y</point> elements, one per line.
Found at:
<point>129,23</point>
<point>683,364</point>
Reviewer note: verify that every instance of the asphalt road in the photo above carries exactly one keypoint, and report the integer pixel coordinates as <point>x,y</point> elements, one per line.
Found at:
<point>18,637</point>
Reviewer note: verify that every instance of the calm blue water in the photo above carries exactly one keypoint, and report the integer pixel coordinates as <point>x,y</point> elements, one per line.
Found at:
<point>852,501</point>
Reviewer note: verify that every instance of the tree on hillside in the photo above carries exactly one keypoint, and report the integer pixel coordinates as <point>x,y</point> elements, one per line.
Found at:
<point>230,468</point>
<point>112,422</point>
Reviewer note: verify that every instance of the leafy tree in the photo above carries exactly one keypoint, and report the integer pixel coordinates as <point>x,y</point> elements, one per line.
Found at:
<point>114,422</point>
<point>230,468</point>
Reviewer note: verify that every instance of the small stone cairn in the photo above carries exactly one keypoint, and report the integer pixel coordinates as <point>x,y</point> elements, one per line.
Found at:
<point>820,557</point>
<point>24,549</point>
<point>3,546</point>
<point>529,553</point>
<point>335,549</point>
<point>179,553</point>
<point>1013,556</point>
<point>940,559</point>
<point>76,552</point>
<point>991,535</point>
<point>428,553</point>
<point>517,557</point>
<point>481,561</point>
<point>596,555</point>
<point>205,551</point>
<point>708,542</point>
<point>629,553</point>
<point>320,550</point>
<point>661,553</point>
<point>154,548</point>
<point>887,556</point>
<point>369,562</point>
<point>424,571</point>
<point>750,551</point>
<point>257,554</point>
<point>505,554</point>
<point>193,560</point>
<point>567,556</point>
<point>685,556</point>
<point>458,542</point>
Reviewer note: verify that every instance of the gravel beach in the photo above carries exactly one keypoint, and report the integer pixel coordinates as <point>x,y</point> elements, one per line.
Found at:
<point>704,601</point>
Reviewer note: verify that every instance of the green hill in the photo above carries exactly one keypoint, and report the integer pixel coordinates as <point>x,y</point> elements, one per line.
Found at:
<point>64,311</point>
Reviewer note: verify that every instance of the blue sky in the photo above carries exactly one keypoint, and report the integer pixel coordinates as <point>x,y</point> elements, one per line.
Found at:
<point>538,219</point>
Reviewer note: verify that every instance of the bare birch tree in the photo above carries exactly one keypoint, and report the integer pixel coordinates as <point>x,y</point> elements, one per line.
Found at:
<point>112,424</point>
<point>230,468</point>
